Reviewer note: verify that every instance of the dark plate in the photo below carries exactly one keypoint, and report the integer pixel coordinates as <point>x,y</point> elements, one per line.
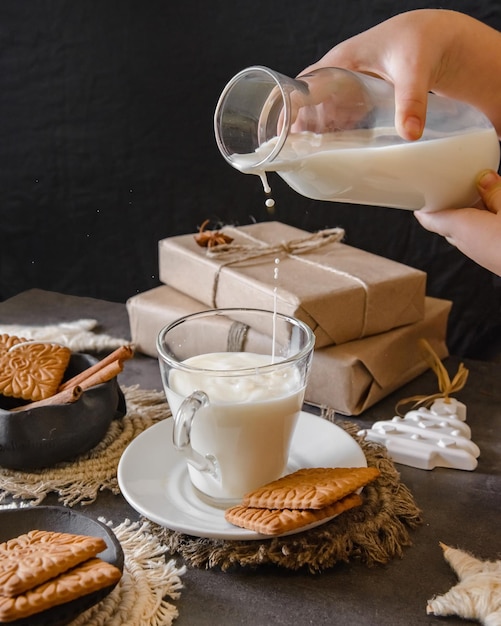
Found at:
<point>14,522</point>
<point>43,436</point>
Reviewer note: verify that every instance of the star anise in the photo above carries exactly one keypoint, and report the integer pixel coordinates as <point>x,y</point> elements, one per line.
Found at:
<point>211,238</point>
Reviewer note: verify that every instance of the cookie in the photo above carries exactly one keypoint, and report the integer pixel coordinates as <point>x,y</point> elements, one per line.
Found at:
<point>31,370</point>
<point>310,488</point>
<point>88,577</point>
<point>280,521</point>
<point>35,557</point>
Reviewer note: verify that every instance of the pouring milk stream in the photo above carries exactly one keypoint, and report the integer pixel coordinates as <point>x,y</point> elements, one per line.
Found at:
<point>330,135</point>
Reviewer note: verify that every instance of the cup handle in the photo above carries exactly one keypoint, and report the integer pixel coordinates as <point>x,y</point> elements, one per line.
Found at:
<point>181,434</point>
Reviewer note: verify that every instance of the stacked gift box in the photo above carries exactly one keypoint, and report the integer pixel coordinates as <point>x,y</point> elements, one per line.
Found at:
<point>367,312</point>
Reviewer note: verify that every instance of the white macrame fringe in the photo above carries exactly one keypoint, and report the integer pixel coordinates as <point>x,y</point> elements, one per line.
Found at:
<point>139,599</point>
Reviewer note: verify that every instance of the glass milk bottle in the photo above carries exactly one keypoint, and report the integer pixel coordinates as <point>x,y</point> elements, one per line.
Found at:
<point>330,135</point>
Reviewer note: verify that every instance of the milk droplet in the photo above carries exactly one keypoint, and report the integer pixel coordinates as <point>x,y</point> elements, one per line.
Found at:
<point>270,205</point>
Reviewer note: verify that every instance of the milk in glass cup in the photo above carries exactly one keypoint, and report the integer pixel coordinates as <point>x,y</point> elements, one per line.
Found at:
<point>235,381</point>
<point>330,134</point>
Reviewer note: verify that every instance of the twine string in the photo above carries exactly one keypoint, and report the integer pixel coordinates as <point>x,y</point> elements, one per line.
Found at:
<point>233,253</point>
<point>238,252</point>
<point>446,386</point>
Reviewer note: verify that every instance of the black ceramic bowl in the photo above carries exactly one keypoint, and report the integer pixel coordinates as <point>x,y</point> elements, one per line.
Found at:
<point>60,519</point>
<point>41,437</point>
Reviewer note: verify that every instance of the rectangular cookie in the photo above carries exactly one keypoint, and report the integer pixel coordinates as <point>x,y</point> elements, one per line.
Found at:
<point>83,579</point>
<point>34,557</point>
<point>281,521</point>
<point>310,488</point>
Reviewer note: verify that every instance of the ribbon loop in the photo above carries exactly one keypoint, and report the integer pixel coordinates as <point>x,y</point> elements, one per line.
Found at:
<point>446,386</point>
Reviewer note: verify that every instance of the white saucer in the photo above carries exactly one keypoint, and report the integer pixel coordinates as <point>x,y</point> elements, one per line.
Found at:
<point>153,476</point>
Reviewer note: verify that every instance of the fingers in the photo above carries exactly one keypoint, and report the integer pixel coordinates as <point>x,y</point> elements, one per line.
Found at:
<point>454,224</point>
<point>410,83</point>
<point>438,222</point>
<point>410,71</point>
<point>475,232</point>
<point>410,110</point>
<point>408,50</point>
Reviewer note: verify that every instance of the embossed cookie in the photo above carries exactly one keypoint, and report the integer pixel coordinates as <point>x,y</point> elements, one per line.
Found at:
<point>35,557</point>
<point>281,521</point>
<point>83,579</point>
<point>311,488</point>
<point>31,370</point>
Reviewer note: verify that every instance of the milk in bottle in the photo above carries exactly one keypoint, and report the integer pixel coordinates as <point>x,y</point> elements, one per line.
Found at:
<point>330,135</point>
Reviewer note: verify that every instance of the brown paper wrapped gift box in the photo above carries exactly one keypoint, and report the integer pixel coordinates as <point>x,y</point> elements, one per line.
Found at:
<point>341,292</point>
<point>348,378</point>
<point>352,377</point>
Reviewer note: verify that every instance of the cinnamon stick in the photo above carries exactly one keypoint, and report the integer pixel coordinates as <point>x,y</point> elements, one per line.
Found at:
<point>66,396</point>
<point>120,355</point>
<point>102,375</point>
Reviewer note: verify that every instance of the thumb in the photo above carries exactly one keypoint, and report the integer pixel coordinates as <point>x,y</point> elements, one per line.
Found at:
<point>489,187</point>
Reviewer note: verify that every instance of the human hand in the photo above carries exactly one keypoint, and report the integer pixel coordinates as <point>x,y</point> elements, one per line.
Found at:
<point>442,51</point>
<point>332,100</point>
<point>474,231</point>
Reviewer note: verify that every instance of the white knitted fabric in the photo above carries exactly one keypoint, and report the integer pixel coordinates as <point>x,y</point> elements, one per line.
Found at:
<point>79,335</point>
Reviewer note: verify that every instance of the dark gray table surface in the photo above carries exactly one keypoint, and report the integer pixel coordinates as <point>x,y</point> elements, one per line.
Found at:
<point>460,508</point>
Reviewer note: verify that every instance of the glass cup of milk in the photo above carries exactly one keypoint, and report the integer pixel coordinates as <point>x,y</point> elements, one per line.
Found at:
<point>234,380</point>
<point>330,135</point>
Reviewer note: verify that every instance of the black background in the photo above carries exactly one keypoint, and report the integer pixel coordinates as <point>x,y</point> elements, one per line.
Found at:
<point>107,144</point>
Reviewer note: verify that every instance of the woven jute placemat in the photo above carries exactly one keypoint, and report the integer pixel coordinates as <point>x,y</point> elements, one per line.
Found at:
<point>373,533</point>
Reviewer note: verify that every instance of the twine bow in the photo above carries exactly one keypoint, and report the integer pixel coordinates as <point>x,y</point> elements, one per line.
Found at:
<point>243,252</point>
<point>446,386</point>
